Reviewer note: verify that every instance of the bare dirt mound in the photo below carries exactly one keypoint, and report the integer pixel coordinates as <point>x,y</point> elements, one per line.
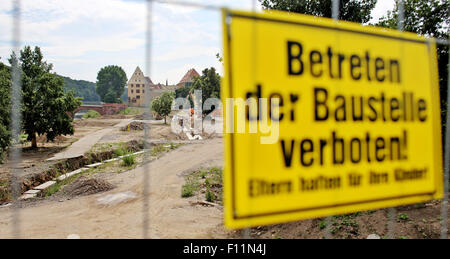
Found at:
<point>134,125</point>
<point>86,186</point>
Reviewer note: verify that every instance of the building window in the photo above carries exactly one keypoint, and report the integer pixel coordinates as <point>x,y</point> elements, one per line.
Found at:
<point>138,85</point>
<point>131,91</point>
<point>138,97</point>
<point>143,91</point>
<point>131,85</point>
<point>137,91</point>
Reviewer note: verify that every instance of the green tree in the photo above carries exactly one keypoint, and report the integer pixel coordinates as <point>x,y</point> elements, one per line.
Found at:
<point>185,92</point>
<point>350,10</point>
<point>209,83</point>
<point>46,107</point>
<point>182,92</point>
<point>5,83</point>
<point>429,18</point>
<point>111,81</point>
<point>162,104</point>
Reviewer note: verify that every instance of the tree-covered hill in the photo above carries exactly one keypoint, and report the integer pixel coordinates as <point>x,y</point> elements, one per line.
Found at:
<point>81,88</point>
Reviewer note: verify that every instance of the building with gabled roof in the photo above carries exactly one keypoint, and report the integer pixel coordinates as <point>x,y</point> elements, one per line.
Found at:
<point>138,88</point>
<point>188,78</point>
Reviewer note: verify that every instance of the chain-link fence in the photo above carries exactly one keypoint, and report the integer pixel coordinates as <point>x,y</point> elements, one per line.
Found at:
<point>15,153</point>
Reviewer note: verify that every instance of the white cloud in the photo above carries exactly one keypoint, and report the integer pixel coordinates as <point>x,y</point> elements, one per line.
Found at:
<point>381,9</point>
<point>81,36</point>
<point>187,51</point>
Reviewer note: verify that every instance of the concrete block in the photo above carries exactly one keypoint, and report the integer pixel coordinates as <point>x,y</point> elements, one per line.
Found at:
<point>32,192</point>
<point>6,205</point>
<point>94,165</point>
<point>137,153</point>
<point>27,196</point>
<point>64,176</point>
<point>45,185</point>
<point>373,236</point>
<point>111,160</point>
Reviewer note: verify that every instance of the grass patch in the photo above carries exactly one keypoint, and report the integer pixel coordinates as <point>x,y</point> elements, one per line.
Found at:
<point>160,149</point>
<point>345,222</point>
<point>210,196</point>
<point>189,189</point>
<point>323,224</point>
<point>3,182</point>
<point>208,181</point>
<point>403,217</point>
<point>91,114</point>
<point>130,111</point>
<point>120,152</point>
<point>57,186</point>
<point>119,148</point>
<point>128,160</point>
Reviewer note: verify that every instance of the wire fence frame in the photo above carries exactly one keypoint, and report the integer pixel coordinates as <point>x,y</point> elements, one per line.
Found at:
<point>15,154</point>
<point>335,16</point>
<point>146,182</point>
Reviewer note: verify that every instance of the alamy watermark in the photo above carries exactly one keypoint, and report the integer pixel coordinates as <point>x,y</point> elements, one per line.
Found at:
<point>252,115</point>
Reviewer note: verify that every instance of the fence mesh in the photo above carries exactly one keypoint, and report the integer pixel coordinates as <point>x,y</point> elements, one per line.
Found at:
<point>15,153</point>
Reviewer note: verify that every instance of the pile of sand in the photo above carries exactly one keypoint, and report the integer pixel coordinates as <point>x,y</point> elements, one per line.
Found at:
<point>87,186</point>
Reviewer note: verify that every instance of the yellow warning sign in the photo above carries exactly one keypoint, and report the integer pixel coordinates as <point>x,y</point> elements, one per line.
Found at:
<point>325,118</point>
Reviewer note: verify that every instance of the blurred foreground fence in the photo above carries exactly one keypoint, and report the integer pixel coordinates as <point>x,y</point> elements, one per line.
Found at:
<point>15,153</point>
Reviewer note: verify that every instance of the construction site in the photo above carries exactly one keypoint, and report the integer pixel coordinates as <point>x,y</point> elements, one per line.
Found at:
<point>348,140</point>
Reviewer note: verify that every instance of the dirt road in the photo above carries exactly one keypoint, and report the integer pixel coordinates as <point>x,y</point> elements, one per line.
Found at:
<point>112,215</point>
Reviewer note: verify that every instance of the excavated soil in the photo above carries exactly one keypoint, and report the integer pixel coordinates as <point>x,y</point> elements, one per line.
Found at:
<point>51,171</point>
<point>86,186</point>
<point>134,125</point>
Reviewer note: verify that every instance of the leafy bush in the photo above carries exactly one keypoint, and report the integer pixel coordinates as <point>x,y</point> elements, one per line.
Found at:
<point>91,114</point>
<point>162,105</point>
<point>130,111</point>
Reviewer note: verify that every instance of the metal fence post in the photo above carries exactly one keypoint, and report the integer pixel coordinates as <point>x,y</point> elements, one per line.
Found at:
<point>444,204</point>
<point>247,231</point>
<point>393,211</point>
<point>147,96</point>
<point>335,10</point>
<point>15,154</point>
<point>335,15</point>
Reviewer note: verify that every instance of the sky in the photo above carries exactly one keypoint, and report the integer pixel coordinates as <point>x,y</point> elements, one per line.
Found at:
<point>79,37</point>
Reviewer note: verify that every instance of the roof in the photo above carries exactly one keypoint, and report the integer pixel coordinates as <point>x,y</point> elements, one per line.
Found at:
<point>188,77</point>
<point>139,72</point>
<point>149,80</point>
